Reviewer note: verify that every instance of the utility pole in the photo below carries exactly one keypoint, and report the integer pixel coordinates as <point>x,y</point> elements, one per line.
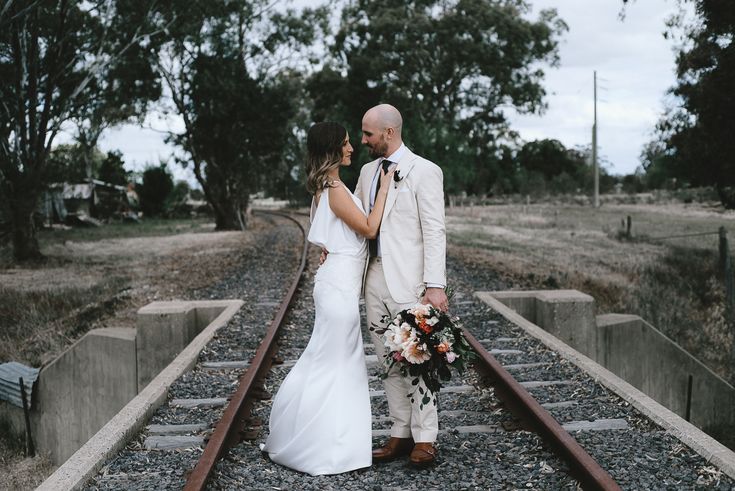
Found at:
<point>594,150</point>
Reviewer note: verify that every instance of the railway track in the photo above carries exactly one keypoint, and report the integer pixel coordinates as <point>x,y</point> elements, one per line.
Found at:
<point>237,417</point>
<point>211,435</point>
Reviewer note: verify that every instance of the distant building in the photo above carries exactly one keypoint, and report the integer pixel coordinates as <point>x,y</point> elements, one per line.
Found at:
<point>87,203</point>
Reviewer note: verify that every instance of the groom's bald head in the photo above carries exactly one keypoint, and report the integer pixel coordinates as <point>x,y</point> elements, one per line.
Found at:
<point>385,116</point>
<point>381,130</point>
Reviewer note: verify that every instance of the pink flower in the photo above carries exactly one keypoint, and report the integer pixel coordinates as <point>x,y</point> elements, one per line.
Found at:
<point>397,356</point>
<point>451,356</point>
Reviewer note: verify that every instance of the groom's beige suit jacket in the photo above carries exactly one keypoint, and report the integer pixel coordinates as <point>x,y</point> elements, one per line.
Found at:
<point>412,232</point>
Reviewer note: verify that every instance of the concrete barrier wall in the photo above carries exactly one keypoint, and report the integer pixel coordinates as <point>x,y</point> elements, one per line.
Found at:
<point>567,314</point>
<point>123,426</point>
<point>644,357</point>
<point>164,329</point>
<point>89,383</point>
<point>82,389</point>
<point>632,349</point>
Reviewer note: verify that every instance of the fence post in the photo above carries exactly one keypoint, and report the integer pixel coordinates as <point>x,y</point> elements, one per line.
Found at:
<point>723,247</point>
<point>728,276</point>
<point>729,286</point>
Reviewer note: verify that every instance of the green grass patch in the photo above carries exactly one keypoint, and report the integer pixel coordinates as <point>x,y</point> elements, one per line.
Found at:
<point>151,227</point>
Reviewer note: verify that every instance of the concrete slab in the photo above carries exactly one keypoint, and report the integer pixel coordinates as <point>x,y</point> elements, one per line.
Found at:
<point>225,365</point>
<point>176,429</point>
<point>172,442</point>
<point>554,405</point>
<point>533,384</point>
<point>596,425</point>
<point>709,448</point>
<point>199,403</point>
<point>505,352</point>
<point>523,366</point>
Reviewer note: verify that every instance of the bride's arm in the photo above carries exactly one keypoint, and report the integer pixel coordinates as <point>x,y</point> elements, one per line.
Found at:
<point>345,208</point>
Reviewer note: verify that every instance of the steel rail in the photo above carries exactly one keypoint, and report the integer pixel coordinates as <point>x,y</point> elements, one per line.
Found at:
<point>527,409</point>
<point>227,431</point>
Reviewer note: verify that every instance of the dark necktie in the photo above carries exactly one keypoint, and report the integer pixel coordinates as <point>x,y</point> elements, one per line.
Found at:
<point>373,243</point>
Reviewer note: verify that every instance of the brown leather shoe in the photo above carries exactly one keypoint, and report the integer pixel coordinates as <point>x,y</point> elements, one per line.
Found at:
<point>423,454</point>
<point>396,447</point>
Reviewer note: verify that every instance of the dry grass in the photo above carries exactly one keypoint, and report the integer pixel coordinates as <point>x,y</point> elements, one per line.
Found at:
<point>99,278</point>
<point>16,471</point>
<point>674,284</point>
<point>38,323</point>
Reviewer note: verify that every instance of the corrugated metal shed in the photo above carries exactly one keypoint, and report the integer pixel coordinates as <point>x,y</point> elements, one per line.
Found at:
<point>9,386</point>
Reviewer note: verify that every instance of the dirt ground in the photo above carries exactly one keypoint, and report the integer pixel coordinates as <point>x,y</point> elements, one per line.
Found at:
<point>109,279</point>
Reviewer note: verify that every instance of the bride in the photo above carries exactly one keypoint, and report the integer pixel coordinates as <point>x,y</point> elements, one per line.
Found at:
<point>320,421</point>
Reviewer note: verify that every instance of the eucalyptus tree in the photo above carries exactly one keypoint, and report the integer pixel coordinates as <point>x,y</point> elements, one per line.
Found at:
<point>232,69</point>
<point>695,141</point>
<point>455,68</point>
<point>57,59</point>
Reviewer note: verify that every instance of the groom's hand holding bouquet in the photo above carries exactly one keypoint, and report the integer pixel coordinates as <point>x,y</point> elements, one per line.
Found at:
<point>424,342</point>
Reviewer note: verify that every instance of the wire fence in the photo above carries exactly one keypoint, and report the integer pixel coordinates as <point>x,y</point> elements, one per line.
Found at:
<point>683,236</point>
<point>725,263</point>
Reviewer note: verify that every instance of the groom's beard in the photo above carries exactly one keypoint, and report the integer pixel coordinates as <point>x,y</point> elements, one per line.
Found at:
<point>379,150</point>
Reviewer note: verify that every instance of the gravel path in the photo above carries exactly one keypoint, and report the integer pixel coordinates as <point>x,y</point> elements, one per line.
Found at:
<point>642,456</point>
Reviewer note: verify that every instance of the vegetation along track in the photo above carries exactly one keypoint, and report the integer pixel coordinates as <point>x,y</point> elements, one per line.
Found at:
<point>482,445</point>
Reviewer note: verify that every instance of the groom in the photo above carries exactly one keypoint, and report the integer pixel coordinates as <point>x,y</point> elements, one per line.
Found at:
<point>406,258</point>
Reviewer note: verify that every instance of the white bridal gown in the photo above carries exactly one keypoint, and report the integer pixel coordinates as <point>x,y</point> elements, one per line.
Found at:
<point>320,421</point>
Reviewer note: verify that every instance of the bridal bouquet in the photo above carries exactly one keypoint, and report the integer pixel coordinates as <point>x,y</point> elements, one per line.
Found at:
<point>424,343</point>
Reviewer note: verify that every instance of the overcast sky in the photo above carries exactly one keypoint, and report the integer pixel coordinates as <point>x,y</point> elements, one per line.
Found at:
<point>634,63</point>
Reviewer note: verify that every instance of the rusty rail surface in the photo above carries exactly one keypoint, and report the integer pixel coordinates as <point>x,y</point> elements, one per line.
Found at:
<point>228,429</point>
<point>527,409</point>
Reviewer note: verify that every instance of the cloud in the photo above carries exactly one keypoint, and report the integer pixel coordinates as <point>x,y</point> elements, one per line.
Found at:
<point>635,67</point>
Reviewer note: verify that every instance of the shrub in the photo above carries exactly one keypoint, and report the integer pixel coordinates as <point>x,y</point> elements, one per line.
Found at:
<point>155,190</point>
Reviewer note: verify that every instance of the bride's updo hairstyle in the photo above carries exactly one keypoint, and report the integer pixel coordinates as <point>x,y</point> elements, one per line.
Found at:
<point>323,153</point>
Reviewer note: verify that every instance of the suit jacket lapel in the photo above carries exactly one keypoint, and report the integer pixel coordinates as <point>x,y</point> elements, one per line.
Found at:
<point>366,185</point>
<point>404,166</point>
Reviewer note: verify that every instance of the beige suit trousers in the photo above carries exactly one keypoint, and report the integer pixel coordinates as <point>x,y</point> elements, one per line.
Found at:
<point>408,419</point>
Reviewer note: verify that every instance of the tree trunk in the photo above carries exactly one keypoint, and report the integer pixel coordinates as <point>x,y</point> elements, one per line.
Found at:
<point>230,214</point>
<point>226,219</point>
<point>25,242</point>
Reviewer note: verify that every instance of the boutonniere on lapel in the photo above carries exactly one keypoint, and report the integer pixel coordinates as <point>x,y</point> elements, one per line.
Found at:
<point>396,178</point>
